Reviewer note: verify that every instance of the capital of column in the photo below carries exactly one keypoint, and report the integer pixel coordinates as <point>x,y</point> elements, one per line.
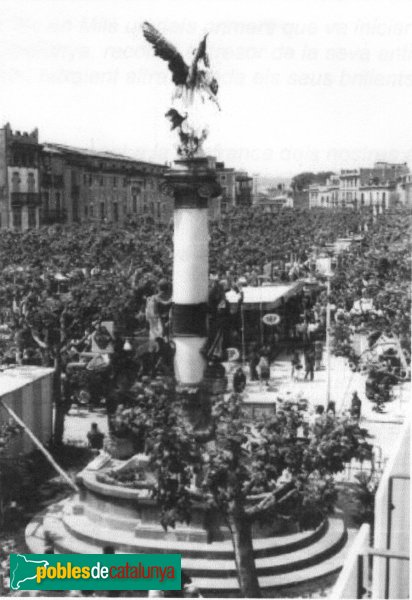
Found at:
<point>193,184</point>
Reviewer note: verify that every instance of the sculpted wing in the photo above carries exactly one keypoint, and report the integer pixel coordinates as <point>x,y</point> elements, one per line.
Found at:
<point>198,54</point>
<point>167,52</point>
<point>201,53</point>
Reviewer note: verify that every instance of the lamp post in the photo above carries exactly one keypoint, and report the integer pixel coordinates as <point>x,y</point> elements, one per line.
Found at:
<point>324,267</point>
<point>328,361</point>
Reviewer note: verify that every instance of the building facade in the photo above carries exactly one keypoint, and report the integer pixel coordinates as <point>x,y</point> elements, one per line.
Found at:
<point>80,185</point>
<point>42,184</point>
<point>237,187</point>
<point>20,198</point>
<point>244,188</point>
<point>275,199</point>
<point>377,188</point>
<point>404,190</point>
<point>226,177</point>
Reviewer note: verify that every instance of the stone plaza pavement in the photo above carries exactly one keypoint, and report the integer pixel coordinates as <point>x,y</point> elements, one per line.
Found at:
<point>383,427</point>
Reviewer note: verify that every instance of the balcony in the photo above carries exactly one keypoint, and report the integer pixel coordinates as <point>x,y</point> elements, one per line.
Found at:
<point>48,180</point>
<point>382,570</point>
<point>19,199</point>
<point>53,216</point>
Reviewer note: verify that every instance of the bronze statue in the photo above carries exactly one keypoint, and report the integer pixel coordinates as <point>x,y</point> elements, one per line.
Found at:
<point>195,85</point>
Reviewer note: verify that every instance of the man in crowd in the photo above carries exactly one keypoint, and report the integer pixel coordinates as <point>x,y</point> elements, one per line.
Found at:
<point>309,363</point>
<point>95,437</point>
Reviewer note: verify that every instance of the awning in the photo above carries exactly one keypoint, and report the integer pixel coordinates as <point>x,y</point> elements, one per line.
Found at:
<point>266,297</point>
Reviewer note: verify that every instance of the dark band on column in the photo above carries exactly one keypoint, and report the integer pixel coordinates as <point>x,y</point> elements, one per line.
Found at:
<point>189,319</point>
<point>191,202</point>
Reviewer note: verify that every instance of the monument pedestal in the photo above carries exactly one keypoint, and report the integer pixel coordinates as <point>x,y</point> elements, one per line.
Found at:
<point>129,520</point>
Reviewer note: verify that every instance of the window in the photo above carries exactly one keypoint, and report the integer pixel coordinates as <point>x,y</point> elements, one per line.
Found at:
<point>114,182</point>
<point>91,211</point>
<point>86,211</point>
<point>134,203</point>
<point>101,181</point>
<point>16,215</point>
<point>90,180</point>
<point>46,198</point>
<point>102,210</point>
<point>58,202</point>
<point>84,179</point>
<point>32,217</point>
<point>124,181</point>
<point>115,212</point>
<point>15,182</point>
<point>31,183</point>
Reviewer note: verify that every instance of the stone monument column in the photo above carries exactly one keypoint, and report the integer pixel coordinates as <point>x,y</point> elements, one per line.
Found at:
<point>191,184</point>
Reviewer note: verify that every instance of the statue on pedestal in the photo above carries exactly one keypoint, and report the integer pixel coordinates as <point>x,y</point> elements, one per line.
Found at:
<point>195,87</point>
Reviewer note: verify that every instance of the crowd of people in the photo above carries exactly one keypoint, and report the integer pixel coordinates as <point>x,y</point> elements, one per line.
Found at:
<point>58,284</point>
<point>68,279</point>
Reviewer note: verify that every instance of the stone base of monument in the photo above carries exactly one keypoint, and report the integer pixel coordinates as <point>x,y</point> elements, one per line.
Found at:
<point>128,519</point>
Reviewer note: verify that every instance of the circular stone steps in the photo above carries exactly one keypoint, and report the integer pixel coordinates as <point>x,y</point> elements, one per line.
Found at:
<point>280,561</point>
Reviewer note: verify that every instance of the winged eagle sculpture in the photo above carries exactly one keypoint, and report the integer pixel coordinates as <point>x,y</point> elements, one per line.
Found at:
<point>195,87</point>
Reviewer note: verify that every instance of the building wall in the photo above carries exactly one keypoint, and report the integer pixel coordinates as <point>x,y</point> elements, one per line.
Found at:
<point>98,188</point>
<point>375,196</point>
<point>226,177</point>
<point>350,182</point>
<point>404,190</point>
<point>4,195</point>
<point>244,188</point>
<point>52,190</point>
<point>301,199</point>
<point>19,179</point>
<point>76,185</point>
<point>390,579</point>
<point>374,188</point>
<point>32,401</point>
<point>408,191</point>
<point>23,180</point>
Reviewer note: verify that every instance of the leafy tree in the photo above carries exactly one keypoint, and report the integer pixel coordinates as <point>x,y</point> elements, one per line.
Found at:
<point>50,322</point>
<point>279,468</point>
<point>7,469</point>
<point>303,180</point>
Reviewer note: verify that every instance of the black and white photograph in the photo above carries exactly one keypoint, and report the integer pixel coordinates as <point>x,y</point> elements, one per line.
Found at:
<point>205,298</point>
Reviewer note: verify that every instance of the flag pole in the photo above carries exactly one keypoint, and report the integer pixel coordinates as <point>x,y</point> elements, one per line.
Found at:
<point>40,446</point>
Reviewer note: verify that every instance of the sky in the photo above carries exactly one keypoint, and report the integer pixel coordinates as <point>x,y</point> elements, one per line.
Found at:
<point>304,85</point>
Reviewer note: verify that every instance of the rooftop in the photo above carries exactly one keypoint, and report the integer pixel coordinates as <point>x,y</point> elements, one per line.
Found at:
<point>13,378</point>
<point>64,149</point>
